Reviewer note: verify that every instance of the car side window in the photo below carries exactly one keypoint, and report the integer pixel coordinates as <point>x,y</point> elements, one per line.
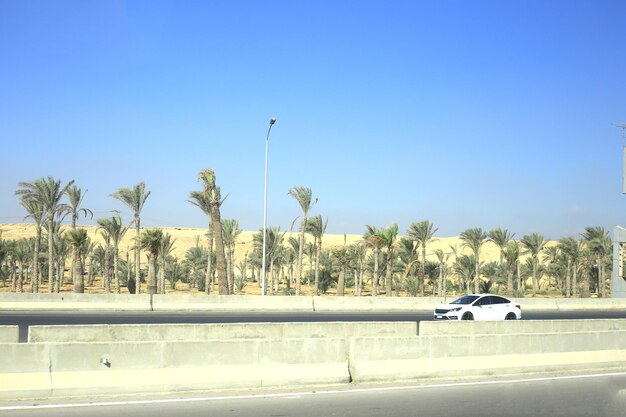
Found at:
<point>499,300</point>
<point>483,301</point>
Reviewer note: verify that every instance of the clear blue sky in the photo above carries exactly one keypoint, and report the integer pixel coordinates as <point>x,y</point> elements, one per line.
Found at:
<point>466,113</point>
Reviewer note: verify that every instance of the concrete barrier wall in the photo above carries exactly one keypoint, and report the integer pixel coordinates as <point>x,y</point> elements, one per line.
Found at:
<point>392,359</point>
<point>348,303</point>
<point>70,301</point>
<point>224,331</point>
<point>11,334</point>
<point>24,368</point>
<point>434,328</point>
<point>247,303</point>
<point>570,304</point>
<point>78,369</point>
<point>164,302</point>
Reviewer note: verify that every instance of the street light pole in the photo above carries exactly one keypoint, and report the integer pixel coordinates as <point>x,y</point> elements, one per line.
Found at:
<point>267,141</point>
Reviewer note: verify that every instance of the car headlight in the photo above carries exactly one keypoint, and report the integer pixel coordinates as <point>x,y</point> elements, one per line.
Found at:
<point>456,309</point>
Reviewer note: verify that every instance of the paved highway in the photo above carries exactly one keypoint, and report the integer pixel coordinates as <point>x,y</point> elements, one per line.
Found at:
<point>565,395</point>
<point>25,319</point>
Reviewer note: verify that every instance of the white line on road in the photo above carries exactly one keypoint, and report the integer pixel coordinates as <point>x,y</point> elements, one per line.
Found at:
<point>300,394</point>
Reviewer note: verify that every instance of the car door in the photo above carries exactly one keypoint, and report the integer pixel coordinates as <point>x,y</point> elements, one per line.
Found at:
<point>483,310</point>
<point>501,306</point>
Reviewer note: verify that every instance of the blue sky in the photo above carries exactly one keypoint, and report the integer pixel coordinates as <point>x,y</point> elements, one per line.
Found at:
<point>468,114</point>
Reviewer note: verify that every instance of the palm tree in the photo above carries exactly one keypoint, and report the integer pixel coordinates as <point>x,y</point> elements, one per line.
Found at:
<point>116,232</point>
<point>465,269</point>
<point>213,196</point>
<point>317,227</point>
<point>201,200</point>
<point>36,212</point>
<point>230,232</point>
<point>500,237</point>
<point>474,239</point>
<point>167,245</point>
<point>150,241</point>
<point>422,232</point>
<point>358,252</point>
<point>195,259</point>
<point>20,257</point>
<point>106,230</point>
<point>274,244</point>
<point>75,196</point>
<point>599,244</point>
<point>48,192</point>
<point>372,237</point>
<point>511,257</point>
<point>76,239</point>
<point>134,198</point>
<point>341,256</point>
<point>534,243</point>
<point>442,258</point>
<point>572,249</point>
<point>388,238</point>
<point>303,196</point>
<point>409,258</point>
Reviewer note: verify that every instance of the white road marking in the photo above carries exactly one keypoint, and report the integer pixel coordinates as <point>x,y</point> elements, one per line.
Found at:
<point>304,393</point>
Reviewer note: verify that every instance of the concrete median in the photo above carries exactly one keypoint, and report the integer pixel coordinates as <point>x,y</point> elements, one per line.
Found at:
<point>80,369</point>
<point>208,331</point>
<point>435,328</point>
<point>178,302</point>
<point>9,334</point>
<point>407,304</point>
<point>24,369</point>
<point>70,301</point>
<point>394,359</point>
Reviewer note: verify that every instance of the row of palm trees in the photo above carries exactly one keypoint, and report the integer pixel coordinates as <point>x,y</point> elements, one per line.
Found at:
<point>384,259</point>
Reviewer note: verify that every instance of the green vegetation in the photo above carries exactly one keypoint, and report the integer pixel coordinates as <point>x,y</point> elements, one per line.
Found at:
<point>381,263</point>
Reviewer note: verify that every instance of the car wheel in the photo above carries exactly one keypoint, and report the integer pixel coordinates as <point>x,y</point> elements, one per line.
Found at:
<point>467,316</point>
<point>510,316</point>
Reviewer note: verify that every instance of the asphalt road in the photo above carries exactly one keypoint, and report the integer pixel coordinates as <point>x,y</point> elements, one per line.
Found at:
<point>25,319</point>
<point>558,396</point>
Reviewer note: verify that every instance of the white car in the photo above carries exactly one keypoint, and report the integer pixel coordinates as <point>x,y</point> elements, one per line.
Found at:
<point>479,307</point>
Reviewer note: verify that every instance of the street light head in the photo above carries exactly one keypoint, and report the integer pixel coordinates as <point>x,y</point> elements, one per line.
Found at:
<point>272,120</point>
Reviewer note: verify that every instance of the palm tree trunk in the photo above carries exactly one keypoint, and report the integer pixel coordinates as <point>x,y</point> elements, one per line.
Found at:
<point>568,282</point>
<point>220,261</point>
<point>300,255</point>
<point>375,277</point>
<point>341,281</point>
<point>35,279</point>
<point>509,281</point>
<point>575,281</point>
<point>107,269</point>
<point>534,276</point>
<point>13,277</point>
<point>441,289</point>
<point>137,257</point>
<point>207,282</point>
<point>116,259</point>
<point>161,289</point>
<point>388,283</point>
<point>20,280</point>
<point>77,272</point>
<point>229,272</point>
<point>318,253</point>
<point>601,285</point>
<point>477,273</point>
<point>361,275</point>
<point>422,272</point>
<point>152,281</point>
<point>50,253</point>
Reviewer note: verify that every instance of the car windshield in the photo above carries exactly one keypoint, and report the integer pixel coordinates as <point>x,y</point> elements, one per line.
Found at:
<point>466,299</point>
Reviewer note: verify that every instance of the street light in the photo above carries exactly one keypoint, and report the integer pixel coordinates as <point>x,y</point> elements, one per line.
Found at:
<point>267,141</point>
